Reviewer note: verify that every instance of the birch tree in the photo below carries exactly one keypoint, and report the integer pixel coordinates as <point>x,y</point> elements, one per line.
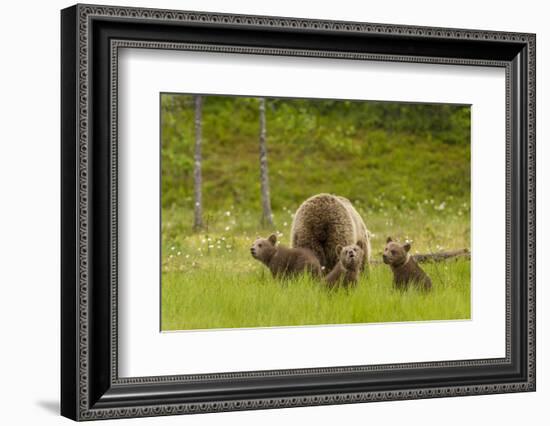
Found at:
<point>267,215</point>
<point>197,174</point>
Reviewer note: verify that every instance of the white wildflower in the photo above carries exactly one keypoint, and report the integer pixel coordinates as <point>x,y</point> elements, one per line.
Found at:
<point>227,228</point>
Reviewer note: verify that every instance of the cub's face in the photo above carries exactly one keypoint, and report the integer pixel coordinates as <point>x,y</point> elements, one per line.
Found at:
<point>351,256</point>
<point>395,253</point>
<point>263,248</point>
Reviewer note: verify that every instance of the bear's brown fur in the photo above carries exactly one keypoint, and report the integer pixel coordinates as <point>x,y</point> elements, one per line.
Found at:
<point>346,271</point>
<point>405,269</point>
<point>324,222</point>
<point>284,262</point>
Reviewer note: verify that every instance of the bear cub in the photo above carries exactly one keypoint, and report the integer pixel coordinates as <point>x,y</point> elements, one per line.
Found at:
<point>404,267</point>
<point>350,263</point>
<point>284,262</point>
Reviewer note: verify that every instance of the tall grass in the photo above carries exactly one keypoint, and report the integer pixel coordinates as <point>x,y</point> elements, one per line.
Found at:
<point>216,298</point>
<point>209,279</point>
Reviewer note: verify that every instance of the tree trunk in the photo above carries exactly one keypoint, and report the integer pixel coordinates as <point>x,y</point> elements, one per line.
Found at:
<point>197,223</point>
<point>442,255</point>
<point>436,257</point>
<point>267,215</point>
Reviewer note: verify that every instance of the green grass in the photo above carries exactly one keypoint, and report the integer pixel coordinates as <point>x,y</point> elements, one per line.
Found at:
<point>209,279</point>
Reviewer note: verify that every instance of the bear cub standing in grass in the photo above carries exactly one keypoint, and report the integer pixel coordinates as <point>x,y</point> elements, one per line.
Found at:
<point>404,267</point>
<point>349,265</point>
<point>284,262</point>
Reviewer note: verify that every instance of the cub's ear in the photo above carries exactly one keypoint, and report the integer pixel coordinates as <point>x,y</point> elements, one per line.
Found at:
<point>407,246</point>
<point>389,240</point>
<point>361,244</point>
<point>272,239</point>
<point>338,249</point>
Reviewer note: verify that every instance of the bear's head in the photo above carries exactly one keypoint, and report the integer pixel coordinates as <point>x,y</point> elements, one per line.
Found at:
<point>351,256</point>
<point>263,249</point>
<point>396,254</point>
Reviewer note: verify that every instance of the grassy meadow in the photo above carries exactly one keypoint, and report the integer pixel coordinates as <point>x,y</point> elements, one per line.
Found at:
<point>406,168</point>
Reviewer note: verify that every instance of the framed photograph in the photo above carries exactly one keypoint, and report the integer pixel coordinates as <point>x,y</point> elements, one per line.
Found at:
<point>263,212</point>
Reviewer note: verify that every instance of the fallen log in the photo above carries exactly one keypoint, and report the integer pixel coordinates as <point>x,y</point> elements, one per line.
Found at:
<point>436,257</point>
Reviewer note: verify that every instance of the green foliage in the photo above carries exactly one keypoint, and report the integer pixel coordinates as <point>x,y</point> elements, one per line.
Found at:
<point>370,152</point>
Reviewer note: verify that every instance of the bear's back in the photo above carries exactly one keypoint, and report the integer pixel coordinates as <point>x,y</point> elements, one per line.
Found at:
<point>324,222</point>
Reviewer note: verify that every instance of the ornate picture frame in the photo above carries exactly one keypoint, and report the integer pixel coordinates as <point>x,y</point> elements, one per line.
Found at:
<point>91,37</point>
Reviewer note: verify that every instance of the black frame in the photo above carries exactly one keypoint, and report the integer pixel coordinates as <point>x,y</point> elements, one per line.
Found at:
<point>91,37</point>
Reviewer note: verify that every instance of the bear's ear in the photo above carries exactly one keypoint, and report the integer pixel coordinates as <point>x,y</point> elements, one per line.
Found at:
<point>272,239</point>
<point>339,249</point>
<point>361,244</point>
<point>407,246</point>
<point>389,240</point>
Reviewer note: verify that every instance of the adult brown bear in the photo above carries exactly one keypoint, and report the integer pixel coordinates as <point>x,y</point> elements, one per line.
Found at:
<point>326,222</point>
